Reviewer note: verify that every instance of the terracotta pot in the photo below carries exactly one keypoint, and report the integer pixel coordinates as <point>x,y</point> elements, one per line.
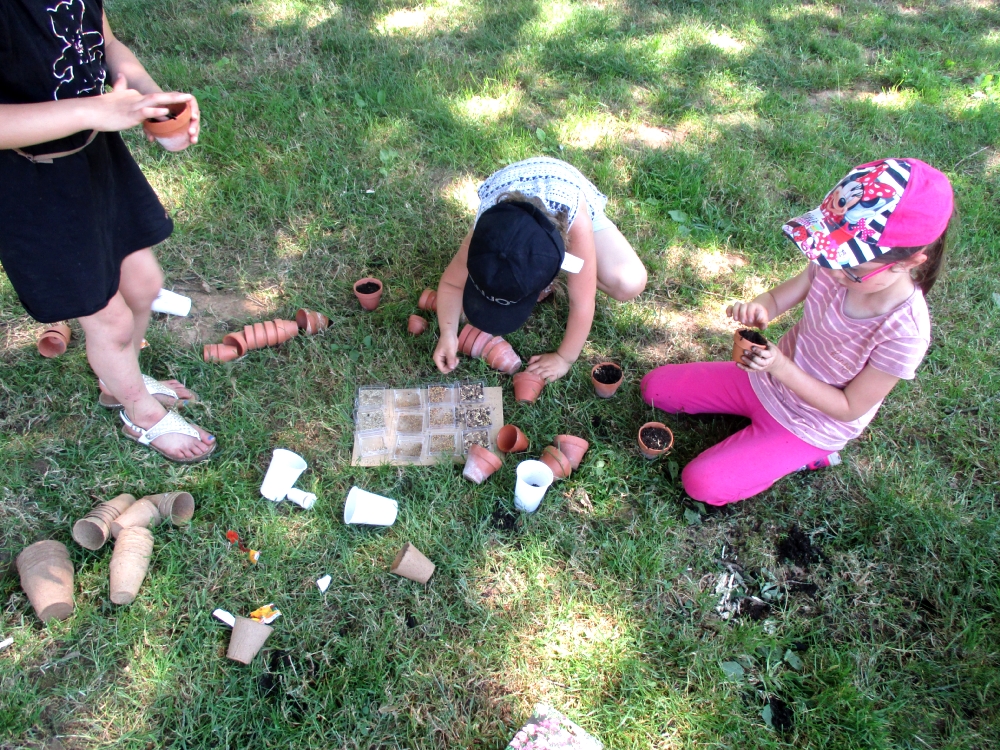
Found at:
<point>572,447</point>
<point>54,340</point>
<point>251,338</point>
<point>479,344</point>
<point>47,578</point>
<point>142,514</point>
<point>177,506</point>
<point>368,300</point>
<point>247,639</point>
<point>504,359</point>
<point>606,390</point>
<point>652,453</point>
<point>92,531</point>
<point>220,353</point>
<point>480,464</point>
<point>741,344</point>
<point>416,325</point>
<point>494,342</point>
<point>260,335</point>
<point>411,563</point>
<point>311,322</point>
<point>466,338</point>
<point>510,439</point>
<point>271,331</point>
<point>527,386</point>
<point>557,461</point>
<point>428,301</point>
<point>129,563</point>
<point>172,132</point>
<point>236,340</point>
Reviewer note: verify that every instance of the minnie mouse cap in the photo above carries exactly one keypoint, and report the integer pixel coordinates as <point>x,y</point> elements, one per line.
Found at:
<point>877,207</point>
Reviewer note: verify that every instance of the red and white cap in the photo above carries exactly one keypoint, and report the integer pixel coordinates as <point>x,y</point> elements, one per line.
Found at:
<point>877,207</point>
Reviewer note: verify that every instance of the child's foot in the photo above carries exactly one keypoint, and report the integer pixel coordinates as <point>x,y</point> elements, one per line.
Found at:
<point>171,436</point>
<point>821,463</point>
<point>172,394</point>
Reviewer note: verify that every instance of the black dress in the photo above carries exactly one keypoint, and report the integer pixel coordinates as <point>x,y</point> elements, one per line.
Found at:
<point>65,227</point>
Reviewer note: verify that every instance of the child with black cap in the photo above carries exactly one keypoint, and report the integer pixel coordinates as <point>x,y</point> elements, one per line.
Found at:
<point>535,217</point>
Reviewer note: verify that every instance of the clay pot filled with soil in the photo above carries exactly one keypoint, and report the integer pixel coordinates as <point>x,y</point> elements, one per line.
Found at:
<point>92,531</point>
<point>428,300</point>
<point>744,340</point>
<point>655,439</point>
<point>556,460</point>
<point>129,563</point>
<point>527,386</point>
<point>247,639</point>
<point>220,353</point>
<point>572,447</point>
<point>54,340</point>
<point>47,578</point>
<point>607,378</point>
<point>368,291</point>
<point>510,439</point>
<point>171,132</point>
<point>480,464</point>
<point>416,325</point>
<point>311,322</point>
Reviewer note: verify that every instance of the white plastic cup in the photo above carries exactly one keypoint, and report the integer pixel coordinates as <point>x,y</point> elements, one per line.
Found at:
<point>304,500</point>
<point>171,303</point>
<point>369,509</point>
<point>283,472</point>
<point>533,478</point>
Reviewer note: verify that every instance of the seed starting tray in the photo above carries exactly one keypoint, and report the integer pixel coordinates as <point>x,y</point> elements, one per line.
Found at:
<point>426,424</point>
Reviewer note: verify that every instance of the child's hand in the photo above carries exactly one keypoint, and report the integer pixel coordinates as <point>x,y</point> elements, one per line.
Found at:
<point>749,314</point>
<point>193,129</point>
<point>550,366</point>
<point>759,359</point>
<point>446,353</point>
<point>123,108</point>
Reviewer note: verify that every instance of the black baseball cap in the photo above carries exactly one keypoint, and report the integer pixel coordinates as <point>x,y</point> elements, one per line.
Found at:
<point>515,252</point>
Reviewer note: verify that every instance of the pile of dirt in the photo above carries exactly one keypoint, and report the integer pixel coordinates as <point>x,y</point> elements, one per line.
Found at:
<point>798,548</point>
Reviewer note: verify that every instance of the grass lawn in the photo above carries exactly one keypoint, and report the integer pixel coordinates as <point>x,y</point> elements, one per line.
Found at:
<point>346,139</point>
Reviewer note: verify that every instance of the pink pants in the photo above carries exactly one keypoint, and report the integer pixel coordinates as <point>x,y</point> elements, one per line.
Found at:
<point>743,464</point>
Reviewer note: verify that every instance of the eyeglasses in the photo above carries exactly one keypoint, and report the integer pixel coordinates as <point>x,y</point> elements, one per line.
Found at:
<point>854,277</point>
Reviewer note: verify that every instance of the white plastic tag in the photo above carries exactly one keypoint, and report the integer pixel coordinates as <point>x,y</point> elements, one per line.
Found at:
<point>222,616</point>
<point>571,263</point>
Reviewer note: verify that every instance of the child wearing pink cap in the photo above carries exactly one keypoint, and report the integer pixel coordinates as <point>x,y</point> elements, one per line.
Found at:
<point>876,246</point>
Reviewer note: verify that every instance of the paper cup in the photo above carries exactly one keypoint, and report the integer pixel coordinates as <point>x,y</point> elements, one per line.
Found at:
<point>171,303</point>
<point>369,509</point>
<point>533,478</point>
<point>304,500</point>
<point>283,472</point>
<point>247,639</point>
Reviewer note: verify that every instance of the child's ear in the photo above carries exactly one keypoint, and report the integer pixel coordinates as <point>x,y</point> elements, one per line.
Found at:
<point>914,260</point>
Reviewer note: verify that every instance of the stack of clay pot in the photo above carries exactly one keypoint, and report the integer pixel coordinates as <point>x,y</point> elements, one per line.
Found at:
<point>480,464</point>
<point>564,455</point>
<point>496,352</point>
<point>417,324</point>
<point>311,322</point>
<point>256,336</point>
<point>47,578</point>
<point>54,340</point>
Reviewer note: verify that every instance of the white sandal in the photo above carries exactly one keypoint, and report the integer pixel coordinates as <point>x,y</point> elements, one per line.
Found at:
<point>173,423</point>
<point>155,388</point>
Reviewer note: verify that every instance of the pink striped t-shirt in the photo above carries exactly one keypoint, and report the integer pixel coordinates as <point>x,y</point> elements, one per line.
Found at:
<point>834,348</point>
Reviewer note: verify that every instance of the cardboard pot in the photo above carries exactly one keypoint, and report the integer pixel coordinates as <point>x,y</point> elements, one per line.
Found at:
<point>606,390</point>
<point>510,439</point>
<point>54,340</point>
<point>92,531</point>
<point>572,447</point>
<point>47,578</point>
<point>528,386</point>
<point>368,300</point>
<point>129,563</point>
<point>480,464</point>
<point>411,563</point>
<point>142,514</point>
<point>177,506</point>
<point>652,452</point>
<point>247,639</point>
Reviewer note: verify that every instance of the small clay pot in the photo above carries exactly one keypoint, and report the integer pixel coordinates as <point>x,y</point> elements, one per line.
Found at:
<point>143,514</point>
<point>54,339</point>
<point>236,340</point>
<point>311,322</point>
<point>466,338</point>
<point>504,359</point>
<point>606,390</point>
<point>416,325</point>
<point>572,447</point>
<point>557,461</point>
<point>510,439</point>
<point>47,578</point>
<point>250,336</point>
<point>271,331</point>
<point>428,301</point>
<point>92,531</point>
<point>480,464</point>
<point>479,344</point>
<point>171,133</point>
<point>411,563</point>
<point>369,300</point>
<point>260,335</point>
<point>527,386</point>
<point>177,506</point>
<point>247,639</point>
<point>744,340</point>
<point>650,452</point>
<point>490,346</point>
<point>220,353</point>
<point>129,563</point>
<point>287,329</point>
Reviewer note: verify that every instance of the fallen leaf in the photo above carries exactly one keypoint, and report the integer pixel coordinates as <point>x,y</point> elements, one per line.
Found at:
<point>733,669</point>
<point>793,660</point>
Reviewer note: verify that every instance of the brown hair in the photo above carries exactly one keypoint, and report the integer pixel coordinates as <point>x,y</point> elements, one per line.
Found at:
<point>560,219</point>
<point>927,272</point>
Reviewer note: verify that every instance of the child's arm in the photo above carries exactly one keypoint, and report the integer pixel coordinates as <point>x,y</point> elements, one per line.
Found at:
<point>765,307</point>
<point>449,307</point>
<point>582,289</point>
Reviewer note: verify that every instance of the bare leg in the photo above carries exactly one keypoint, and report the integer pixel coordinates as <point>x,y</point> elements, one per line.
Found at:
<point>112,355</point>
<point>620,273</point>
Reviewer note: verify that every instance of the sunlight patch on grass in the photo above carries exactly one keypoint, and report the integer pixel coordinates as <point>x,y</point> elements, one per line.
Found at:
<point>798,10</point>
<point>414,21</point>
<point>725,42</point>
<point>992,162</point>
<point>488,109</point>
<point>274,12</point>
<point>895,99</point>
<point>463,191</point>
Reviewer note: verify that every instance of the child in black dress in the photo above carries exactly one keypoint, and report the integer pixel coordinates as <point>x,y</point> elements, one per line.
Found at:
<point>77,217</point>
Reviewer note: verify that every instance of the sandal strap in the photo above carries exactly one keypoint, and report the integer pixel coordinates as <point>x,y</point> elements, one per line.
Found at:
<point>155,387</point>
<point>173,423</point>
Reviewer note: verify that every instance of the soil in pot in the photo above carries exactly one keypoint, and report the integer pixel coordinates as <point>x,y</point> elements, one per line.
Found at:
<point>752,336</point>
<point>744,340</point>
<point>656,438</point>
<point>369,287</point>
<point>607,374</point>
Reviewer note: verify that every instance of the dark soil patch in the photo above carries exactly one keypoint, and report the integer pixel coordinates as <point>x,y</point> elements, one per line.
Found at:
<point>411,621</point>
<point>608,374</point>
<point>797,548</point>
<point>802,587</point>
<point>781,714</point>
<point>655,438</point>
<point>753,608</point>
<point>753,337</point>
<point>598,424</point>
<point>504,520</point>
<point>369,287</point>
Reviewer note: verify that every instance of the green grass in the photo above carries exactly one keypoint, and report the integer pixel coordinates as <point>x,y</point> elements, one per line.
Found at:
<point>739,114</point>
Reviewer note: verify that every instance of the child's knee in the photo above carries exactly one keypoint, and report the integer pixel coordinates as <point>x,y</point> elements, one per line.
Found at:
<point>141,276</point>
<point>705,481</point>
<point>628,284</point>
<point>657,388</point>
